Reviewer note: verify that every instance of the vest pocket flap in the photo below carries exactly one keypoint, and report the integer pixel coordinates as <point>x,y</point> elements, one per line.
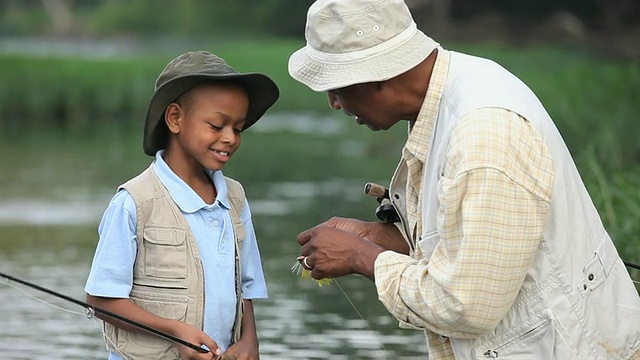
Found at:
<point>164,253</point>
<point>173,307</point>
<point>164,236</point>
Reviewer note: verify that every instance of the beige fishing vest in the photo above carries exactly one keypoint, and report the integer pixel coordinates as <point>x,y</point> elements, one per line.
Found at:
<point>168,277</point>
<point>577,301</point>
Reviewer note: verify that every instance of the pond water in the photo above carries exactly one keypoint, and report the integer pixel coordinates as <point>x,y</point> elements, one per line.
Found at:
<point>48,237</point>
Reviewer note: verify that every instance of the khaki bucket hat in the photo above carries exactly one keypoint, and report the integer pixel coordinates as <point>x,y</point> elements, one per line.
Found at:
<point>194,68</point>
<point>358,41</point>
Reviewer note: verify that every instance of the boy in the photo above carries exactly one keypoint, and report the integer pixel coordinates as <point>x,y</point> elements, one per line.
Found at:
<point>177,249</point>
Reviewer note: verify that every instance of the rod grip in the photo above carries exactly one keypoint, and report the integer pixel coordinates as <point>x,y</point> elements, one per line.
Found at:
<point>376,190</point>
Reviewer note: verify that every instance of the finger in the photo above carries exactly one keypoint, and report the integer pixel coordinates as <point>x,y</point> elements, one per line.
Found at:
<point>212,346</point>
<point>305,236</point>
<point>333,222</point>
<point>318,274</point>
<point>307,249</point>
<point>303,262</point>
<point>306,263</point>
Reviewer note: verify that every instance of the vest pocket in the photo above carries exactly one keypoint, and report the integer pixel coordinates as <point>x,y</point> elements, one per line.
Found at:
<point>144,345</point>
<point>165,253</point>
<point>532,340</point>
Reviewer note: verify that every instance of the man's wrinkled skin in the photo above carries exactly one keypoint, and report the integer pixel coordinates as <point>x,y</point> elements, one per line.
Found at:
<point>342,246</point>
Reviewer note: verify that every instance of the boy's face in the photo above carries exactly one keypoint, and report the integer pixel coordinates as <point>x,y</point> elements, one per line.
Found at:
<point>206,129</point>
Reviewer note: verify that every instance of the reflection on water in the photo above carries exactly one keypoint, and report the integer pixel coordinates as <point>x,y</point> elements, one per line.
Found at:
<point>299,320</point>
<point>46,212</point>
<point>33,330</point>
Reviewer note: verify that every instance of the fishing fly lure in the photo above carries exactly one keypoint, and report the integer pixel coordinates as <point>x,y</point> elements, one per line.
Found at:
<point>298,269</point>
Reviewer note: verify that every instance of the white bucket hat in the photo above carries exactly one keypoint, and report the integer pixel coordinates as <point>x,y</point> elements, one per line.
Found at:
<point>357,41</point>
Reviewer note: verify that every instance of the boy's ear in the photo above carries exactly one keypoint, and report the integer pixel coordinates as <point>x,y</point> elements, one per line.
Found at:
<point>172,117</point>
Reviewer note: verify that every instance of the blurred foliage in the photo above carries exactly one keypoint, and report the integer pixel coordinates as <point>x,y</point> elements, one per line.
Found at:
<point>266,17</point>
<point>588,10</point>
<point>55,94</point>
<point>155,17</point>
<point>80,95</point>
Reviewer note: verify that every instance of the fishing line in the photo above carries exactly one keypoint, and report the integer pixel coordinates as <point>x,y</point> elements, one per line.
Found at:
<point>631,265</point>
<point>304,273</point>
<point>91,310</point>
<point>352,304</point>
<point>358,312</point>
<point>30,295</point>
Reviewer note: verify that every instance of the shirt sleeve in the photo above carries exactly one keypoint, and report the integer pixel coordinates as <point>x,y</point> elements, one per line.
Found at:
<point>253,282</point>
<point>111,273</point>
<point>494,199</point>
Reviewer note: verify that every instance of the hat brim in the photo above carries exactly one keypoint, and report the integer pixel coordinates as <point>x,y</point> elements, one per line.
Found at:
<point>322,76</point>
<point>262,92</point>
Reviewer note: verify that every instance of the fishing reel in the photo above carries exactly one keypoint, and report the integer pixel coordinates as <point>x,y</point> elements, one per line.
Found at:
<point>385,212</point>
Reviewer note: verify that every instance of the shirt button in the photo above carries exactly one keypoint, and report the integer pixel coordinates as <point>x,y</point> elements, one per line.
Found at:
<point>216,222</point>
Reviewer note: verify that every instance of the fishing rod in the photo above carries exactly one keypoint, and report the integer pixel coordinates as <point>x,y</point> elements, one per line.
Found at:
<point>93,309</point>
<point>631,265</point>
<point>387,213</point>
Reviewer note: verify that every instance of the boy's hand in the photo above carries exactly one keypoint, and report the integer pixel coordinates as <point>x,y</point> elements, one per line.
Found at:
<point>244,349</point>
<point>195,336</point>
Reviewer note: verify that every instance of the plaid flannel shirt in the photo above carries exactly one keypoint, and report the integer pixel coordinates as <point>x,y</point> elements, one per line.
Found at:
<point>494,200</point>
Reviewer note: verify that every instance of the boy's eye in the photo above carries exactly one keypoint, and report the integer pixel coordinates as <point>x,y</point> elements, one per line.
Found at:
<point>215,127</point>
<point>237,131</point>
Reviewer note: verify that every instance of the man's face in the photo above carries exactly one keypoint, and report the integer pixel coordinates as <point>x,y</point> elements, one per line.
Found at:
<point>366,103</point>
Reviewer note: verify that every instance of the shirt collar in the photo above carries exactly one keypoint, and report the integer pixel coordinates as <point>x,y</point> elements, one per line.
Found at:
<point>419,137</point>
<point>182,194</point>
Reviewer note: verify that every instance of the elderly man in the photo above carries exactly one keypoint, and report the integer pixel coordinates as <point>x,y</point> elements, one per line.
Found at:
<point>499,251</point>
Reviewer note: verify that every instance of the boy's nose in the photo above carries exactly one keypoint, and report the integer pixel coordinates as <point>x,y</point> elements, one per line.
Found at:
<point>228,135</point>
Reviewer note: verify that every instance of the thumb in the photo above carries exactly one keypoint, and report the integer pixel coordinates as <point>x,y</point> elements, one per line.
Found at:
<point>212,346</point>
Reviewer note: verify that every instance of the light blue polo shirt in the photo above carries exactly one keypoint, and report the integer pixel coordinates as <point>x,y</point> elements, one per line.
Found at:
<point>111,272</point>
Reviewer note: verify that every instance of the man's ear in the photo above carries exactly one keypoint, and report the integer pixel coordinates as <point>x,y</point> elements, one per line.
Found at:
<point>332,98</point>
<point>173,117</point>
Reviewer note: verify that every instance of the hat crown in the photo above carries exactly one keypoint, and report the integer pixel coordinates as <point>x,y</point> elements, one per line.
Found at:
<point>339,26</point>
<point>194,63</point>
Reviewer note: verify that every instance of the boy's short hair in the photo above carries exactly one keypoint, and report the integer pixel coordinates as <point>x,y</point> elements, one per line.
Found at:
<point>192,69</point>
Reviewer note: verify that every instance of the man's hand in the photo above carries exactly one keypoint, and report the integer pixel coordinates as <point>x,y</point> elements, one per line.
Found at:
<point>385,235</point>
<point>332,252</point>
